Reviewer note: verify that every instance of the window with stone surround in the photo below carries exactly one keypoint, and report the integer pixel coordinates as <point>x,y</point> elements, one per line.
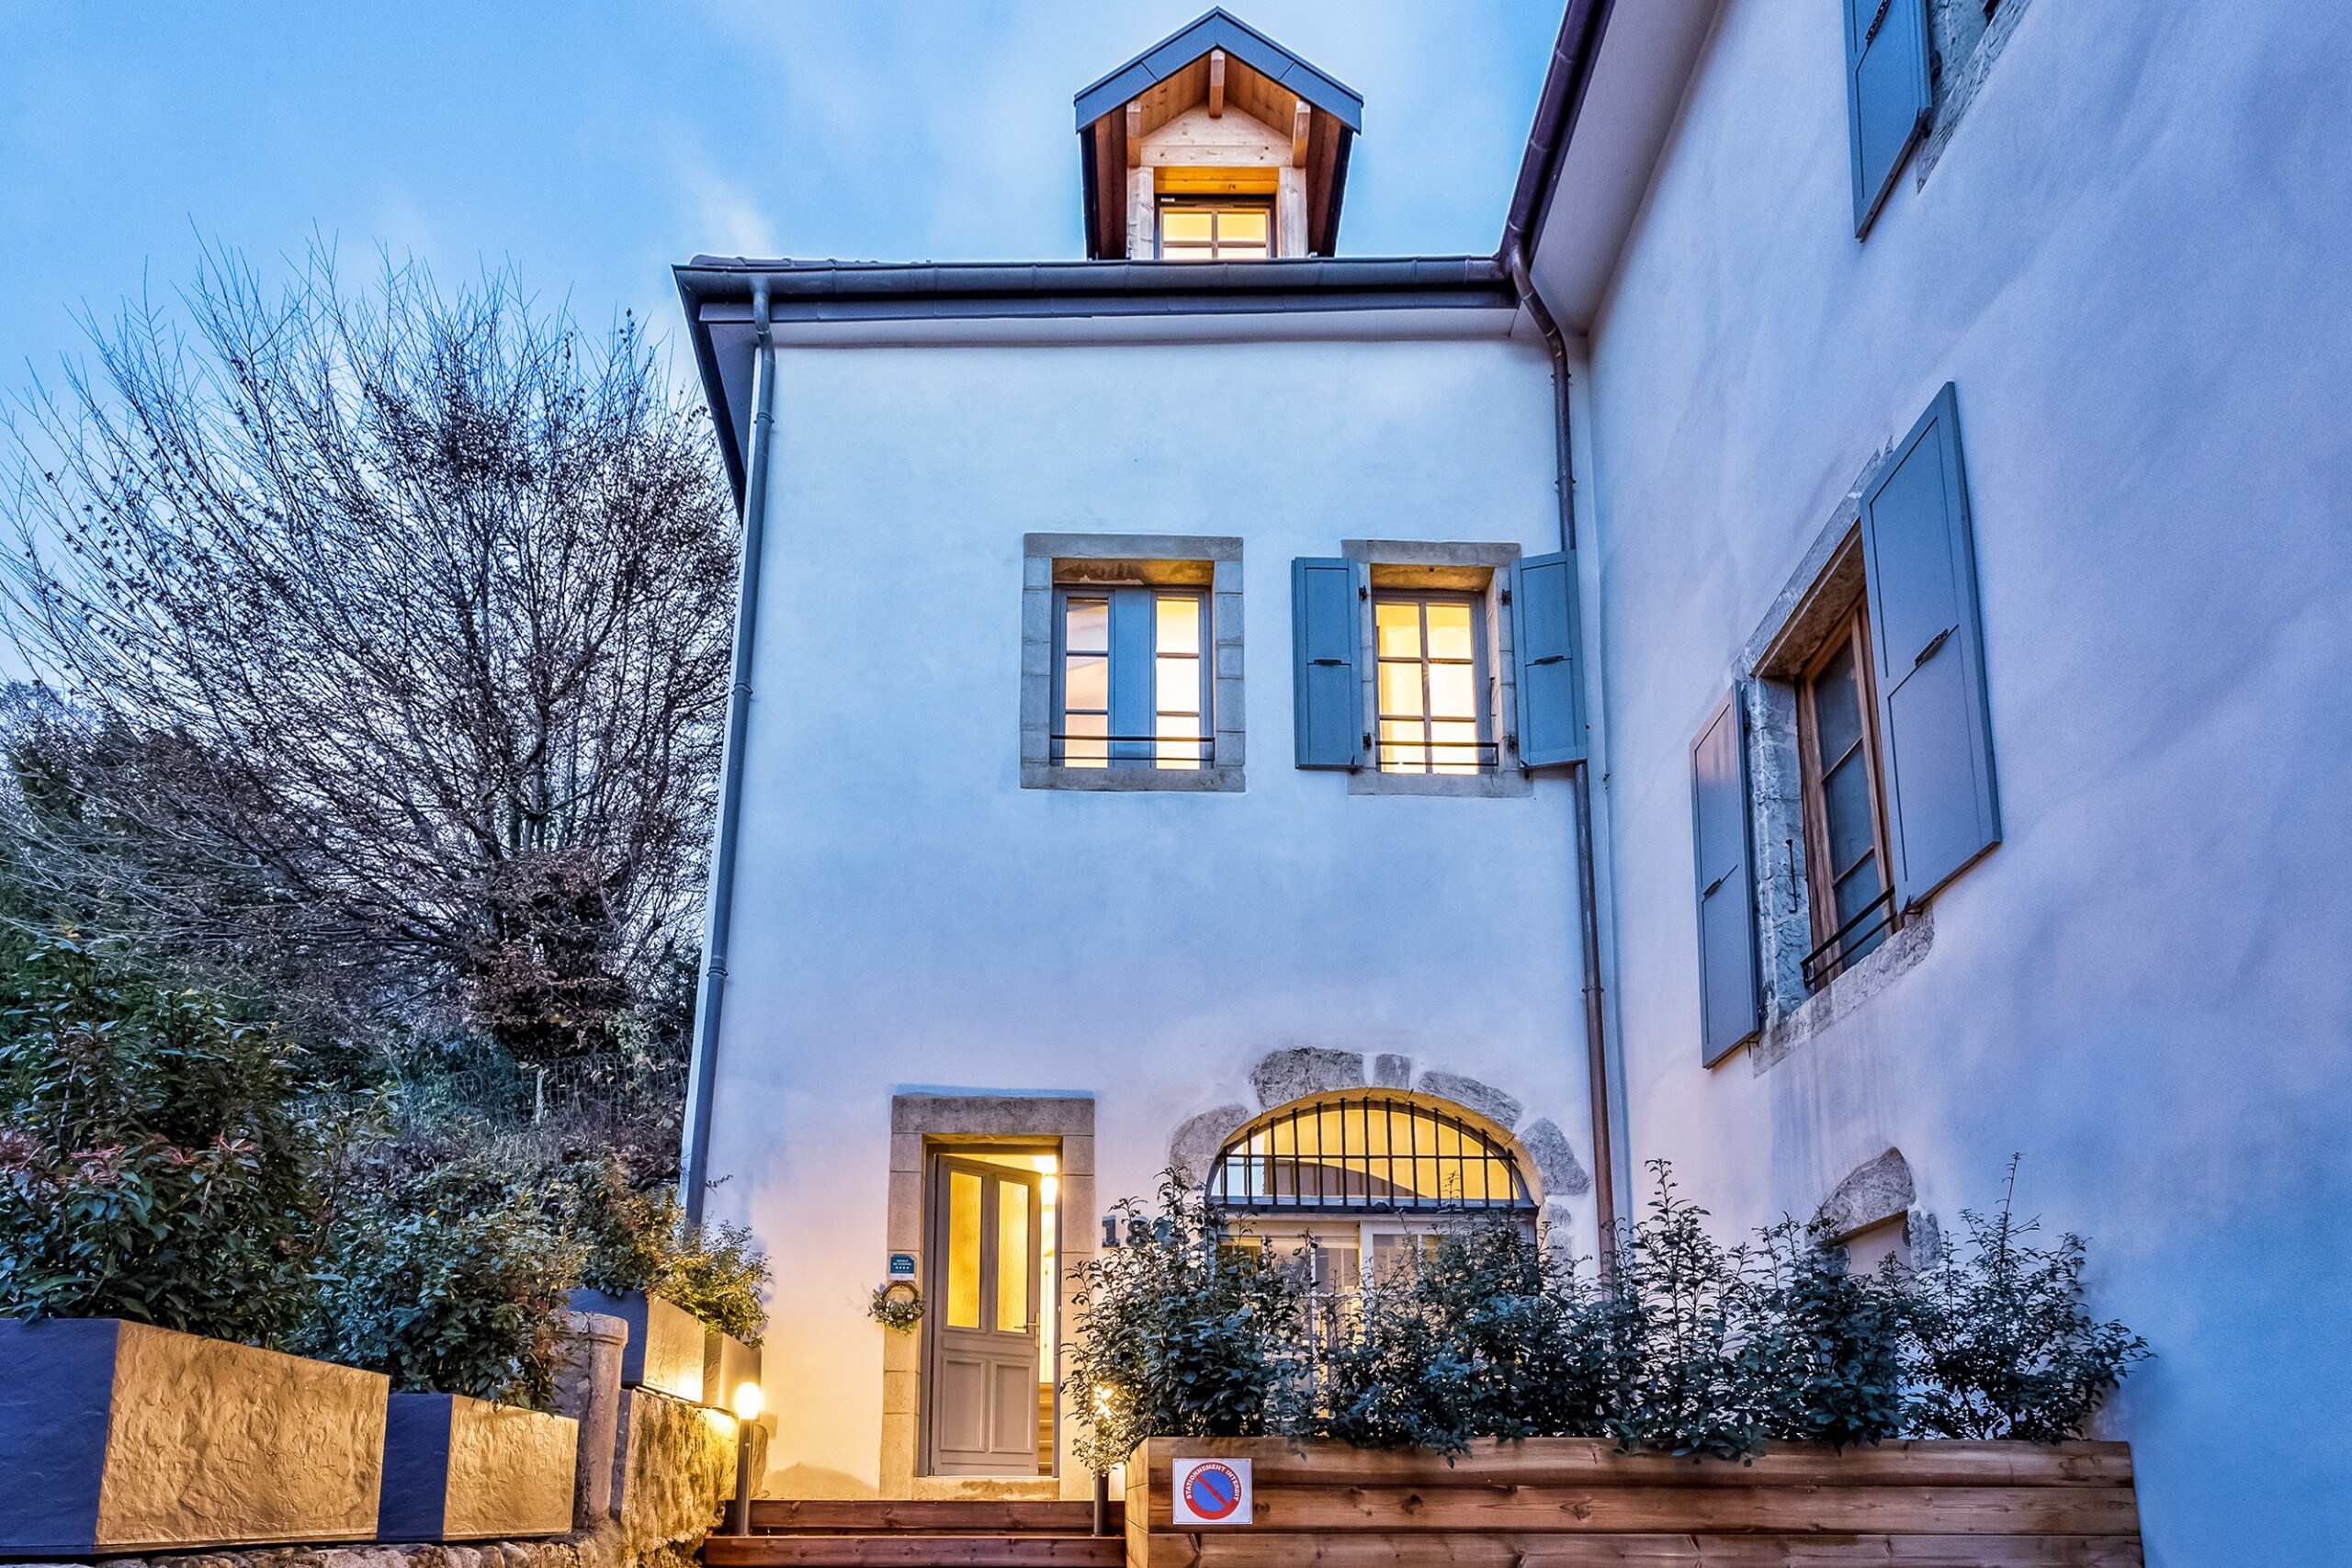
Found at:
<point>1131,673</point>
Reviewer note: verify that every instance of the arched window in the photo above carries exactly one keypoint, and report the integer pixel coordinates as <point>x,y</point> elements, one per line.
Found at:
<point>1364,1154</point>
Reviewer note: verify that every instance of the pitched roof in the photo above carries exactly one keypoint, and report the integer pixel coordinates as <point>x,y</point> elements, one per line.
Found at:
<point>1218,29</point>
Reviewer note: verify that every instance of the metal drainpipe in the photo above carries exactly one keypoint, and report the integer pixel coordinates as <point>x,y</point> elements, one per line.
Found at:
<point>695,1165</point>
<point>1604,1153</point>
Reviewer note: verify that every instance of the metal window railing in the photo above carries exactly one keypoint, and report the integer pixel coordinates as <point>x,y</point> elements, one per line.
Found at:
<point>1486,756</point>
<point>1832,955</point>
<point>1133,750</point>
<point>1421,1160</point>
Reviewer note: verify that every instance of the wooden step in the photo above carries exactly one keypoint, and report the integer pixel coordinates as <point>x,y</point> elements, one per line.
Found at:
<point>871,1516</point>
<point>906,1549</point>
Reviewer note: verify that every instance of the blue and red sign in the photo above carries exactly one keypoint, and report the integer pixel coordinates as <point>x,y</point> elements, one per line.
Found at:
<point>1211,1492</point>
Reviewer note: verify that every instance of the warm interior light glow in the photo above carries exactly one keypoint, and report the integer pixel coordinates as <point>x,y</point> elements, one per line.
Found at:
<point>747,1400</point>
<point>1053,1191</point>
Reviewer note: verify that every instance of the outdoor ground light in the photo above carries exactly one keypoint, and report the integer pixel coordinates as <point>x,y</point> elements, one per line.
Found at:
<point>747,1410</point>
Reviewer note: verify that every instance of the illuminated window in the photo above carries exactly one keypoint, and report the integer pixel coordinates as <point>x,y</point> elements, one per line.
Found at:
<point>1132,682</point>
<point>1432,684</point>
<point>1216,230</point>
<point>1376,1153</point>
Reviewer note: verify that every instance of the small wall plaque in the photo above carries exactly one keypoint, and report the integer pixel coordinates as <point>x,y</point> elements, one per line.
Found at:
<point>902,1266</point>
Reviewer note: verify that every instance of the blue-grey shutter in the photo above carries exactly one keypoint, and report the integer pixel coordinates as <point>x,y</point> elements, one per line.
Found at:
<point>1887,100</point>
<point>1730,1008</point>
<point>1935,729</point>
<point>1326,699</point>
<point>1134,636</point>
<point>1551,693</point>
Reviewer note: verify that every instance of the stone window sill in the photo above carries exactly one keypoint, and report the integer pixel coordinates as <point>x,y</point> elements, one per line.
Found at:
<point>1196,781</point>
<point>1508,783</point>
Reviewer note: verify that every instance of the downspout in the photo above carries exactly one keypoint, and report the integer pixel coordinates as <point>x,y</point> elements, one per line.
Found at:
<point>1596,1045</point>
<point>694,1165</point>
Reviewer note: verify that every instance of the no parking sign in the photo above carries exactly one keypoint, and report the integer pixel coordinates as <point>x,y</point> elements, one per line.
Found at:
<point>1211,1492</point>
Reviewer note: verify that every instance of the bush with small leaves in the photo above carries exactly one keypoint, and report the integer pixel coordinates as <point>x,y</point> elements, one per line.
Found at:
<point>153,1164</point>
<point>1822,1349</point>
<point>1678,1313</point>
<point>1999,1344</point>
<point>1485,1334</point>
<point>1179,1336</point>
<point>452,1280</point>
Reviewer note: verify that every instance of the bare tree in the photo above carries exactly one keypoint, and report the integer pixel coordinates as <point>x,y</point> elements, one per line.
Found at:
<point>382,639</point>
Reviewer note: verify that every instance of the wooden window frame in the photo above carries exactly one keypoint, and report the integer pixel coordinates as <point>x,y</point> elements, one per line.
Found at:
<point>1482,682</point>
<point>1852,630</point>
<point>1058,735</point>
<point>1163,205</point>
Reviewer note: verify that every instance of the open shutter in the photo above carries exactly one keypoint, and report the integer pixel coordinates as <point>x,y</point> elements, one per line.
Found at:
<point>1551,694</point>
<point>1887,100</point>
<point>1919,558</point>
<point>1730,1008</point>
<point>1327,700</point>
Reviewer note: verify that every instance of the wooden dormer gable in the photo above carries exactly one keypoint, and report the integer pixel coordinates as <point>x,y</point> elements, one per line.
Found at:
<point>1217,110</point>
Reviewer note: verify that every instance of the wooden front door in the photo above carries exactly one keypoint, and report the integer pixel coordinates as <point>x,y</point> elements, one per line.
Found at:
<point>981,1366</point>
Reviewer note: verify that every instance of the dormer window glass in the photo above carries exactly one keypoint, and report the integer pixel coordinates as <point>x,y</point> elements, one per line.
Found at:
<point>1229,230</point>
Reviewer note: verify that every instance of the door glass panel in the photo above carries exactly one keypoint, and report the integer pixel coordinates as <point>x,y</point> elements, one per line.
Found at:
<point>962,1249</point>
<point>1012,1256</point>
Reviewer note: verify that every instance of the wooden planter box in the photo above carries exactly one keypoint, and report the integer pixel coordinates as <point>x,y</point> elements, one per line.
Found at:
<point>1569,1502</point>
<point>665,1343</point>
<point>461,1469</point>
<point>119,1438</point>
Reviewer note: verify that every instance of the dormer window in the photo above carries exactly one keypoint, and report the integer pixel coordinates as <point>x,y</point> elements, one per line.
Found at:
<point>1195,229</point>
<point>1216,144</point>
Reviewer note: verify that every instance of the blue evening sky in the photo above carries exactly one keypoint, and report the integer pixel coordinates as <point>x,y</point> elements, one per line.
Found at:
<point>595,143</point>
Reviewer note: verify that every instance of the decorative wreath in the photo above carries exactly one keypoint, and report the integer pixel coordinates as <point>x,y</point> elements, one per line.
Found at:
<point>896,1305</point>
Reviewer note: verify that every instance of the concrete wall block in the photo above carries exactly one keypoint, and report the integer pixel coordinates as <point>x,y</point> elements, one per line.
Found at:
<point>461,1469</point>
<point>119,1436</point>
<point>588,1389</point>
<point>726,1365</point>
<point>1392,1071</point>
<point>665,1341</point>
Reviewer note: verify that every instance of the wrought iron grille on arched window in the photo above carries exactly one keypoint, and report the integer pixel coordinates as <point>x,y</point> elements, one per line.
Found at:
<point>1371,1153</point>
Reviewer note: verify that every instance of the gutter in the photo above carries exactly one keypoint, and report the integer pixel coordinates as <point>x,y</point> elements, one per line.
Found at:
<point>693,1158</point>
<point>1555,115</point>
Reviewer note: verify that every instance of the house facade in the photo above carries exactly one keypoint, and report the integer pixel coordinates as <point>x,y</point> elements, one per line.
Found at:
<point>1816,661</point>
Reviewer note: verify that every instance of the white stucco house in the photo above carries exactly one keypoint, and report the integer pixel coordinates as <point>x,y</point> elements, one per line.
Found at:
<point>1820,660</point>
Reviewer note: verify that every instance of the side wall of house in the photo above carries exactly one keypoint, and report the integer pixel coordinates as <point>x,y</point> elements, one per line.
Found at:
<point>2130,260</point>
<point>908,915</point>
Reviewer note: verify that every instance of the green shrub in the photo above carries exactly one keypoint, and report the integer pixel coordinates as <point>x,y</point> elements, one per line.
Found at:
<point>1178,1335</point>
<point>152,1164</point>
<point>452,1279</point>
<point>1485,1334</point>
<point>1999,1342</point>
<point>717,1275</point>
<point>642,1241</point>
<point>1685,1346</point>
<point>1675,1312</point>
<point>630,1237</point>
<point>1822,1351</point>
